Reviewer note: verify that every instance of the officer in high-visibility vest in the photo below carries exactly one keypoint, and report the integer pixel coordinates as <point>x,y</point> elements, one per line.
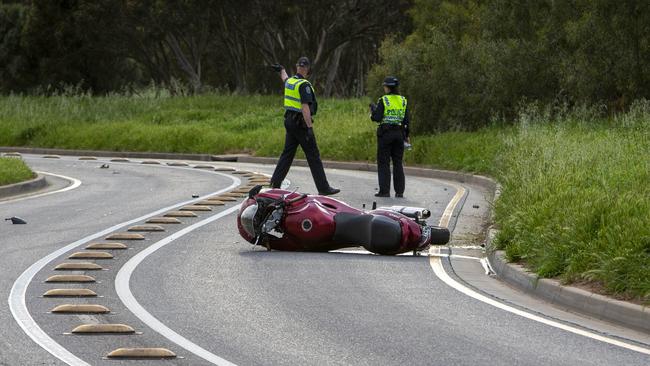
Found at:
<point>300,105</point>
<point>392,114</point>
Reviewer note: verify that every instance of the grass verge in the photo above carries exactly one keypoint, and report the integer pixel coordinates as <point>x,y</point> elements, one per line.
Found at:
<point>576,190</point>
<point>13,170</point>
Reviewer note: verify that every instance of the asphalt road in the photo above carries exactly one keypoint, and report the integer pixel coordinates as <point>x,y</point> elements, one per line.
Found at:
<point>252,307</point>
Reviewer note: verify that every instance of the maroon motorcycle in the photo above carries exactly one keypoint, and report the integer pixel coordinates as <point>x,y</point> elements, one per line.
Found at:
<point>291,221</point>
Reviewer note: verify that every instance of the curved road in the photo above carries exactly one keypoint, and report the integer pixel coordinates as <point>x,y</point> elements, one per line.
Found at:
<point>242,305</point>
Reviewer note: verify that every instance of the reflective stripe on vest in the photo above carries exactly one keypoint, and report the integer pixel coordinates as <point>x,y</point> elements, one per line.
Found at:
<point>394,109</point>
<point>292,93</point>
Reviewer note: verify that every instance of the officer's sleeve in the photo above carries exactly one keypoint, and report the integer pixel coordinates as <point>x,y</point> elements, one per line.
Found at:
<point>378,114</point>
<point>306,94</point>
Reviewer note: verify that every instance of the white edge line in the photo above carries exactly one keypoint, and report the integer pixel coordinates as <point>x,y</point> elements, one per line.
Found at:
<point>123,290</point>
<point>436,264</point>
<point>18,292</point>
<point>75,183</point>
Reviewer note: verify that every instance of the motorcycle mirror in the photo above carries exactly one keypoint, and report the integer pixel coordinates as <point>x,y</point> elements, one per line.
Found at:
<point>16,220</point>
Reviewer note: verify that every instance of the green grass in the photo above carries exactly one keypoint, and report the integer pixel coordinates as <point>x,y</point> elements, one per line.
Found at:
<point>13,170</point>
<point>575,203</point>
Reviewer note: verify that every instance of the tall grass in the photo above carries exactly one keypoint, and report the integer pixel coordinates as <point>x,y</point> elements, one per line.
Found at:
<point>14,170</point>
<point>576,187</point>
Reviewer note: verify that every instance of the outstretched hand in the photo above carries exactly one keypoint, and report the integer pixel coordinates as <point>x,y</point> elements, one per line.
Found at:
<point>277,67</point>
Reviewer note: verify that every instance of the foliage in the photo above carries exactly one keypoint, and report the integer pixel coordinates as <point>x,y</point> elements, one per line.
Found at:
<point>468,63</point>
<point>191,46</point>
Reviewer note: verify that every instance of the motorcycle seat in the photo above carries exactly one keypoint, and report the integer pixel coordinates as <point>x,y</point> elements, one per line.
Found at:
<point>376,233</point>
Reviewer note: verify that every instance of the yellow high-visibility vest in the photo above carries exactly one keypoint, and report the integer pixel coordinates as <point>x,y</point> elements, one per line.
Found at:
<point>394,109</point>
<point>292,93</point>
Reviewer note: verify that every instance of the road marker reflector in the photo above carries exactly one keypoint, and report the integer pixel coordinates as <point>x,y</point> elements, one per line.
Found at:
<point>70,292</point>
<point>195,208</point>
<point>142,353</point>
<point>224,198</point>
<point>103,328</point>
<point>87,158</point>
<point>241,172</point>
<point>163,220</point>
<point>120,160</point>
<point>211,203</point>
<point>233,194</point>
<point>70,278</point>
<point>242,190</point>
<point>106,246</point>
<point>125,236</point>
<point>203,167</point>
<point>177,163</point>
<point>150,162</point>
<point>224,169</point>
<point>146,228</point>
<point>180,214</point>
<point>51,157</point>
<point>80,309</point>
<point>248,175</point>
<point>79,266</point>
<point>13,154</point>
<point>91,255</point>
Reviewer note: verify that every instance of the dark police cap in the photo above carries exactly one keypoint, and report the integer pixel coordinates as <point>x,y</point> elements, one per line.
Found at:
<point>391,81</point>
<point>303,61</point>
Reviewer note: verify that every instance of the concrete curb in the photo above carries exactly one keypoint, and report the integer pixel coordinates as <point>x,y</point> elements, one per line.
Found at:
<point>571,298</point>
<point>627,314</point>
<point>23,187</point>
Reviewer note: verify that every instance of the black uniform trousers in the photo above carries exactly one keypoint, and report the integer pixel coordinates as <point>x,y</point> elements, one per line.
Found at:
<point>296,134</point>
<point>390,146</point>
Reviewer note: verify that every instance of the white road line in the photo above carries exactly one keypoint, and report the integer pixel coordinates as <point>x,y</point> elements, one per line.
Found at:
<point>16,299</point>
<point>75,183</point>
<point>124,292</point>
<point>436,264</point>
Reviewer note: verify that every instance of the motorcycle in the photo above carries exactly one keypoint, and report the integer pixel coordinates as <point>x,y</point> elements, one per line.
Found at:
<point>282,220</point>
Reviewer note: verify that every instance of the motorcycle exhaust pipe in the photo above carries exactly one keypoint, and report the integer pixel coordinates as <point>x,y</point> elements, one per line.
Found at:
<point>412,212</point>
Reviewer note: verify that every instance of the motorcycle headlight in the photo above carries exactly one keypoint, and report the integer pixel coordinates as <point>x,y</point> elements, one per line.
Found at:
<point>246,219</point>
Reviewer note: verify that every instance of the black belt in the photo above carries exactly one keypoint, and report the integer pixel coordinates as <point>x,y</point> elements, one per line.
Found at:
<point>390,126</point>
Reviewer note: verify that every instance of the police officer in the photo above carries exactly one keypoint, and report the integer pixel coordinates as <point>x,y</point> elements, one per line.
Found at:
<point>300,105</point>
<point>392,114</point>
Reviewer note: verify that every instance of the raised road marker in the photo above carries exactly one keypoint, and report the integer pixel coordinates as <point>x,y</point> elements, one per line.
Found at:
<point>141,353</point>
<point>180,214</point>
<point>177,163</point>
<point>120,160</point>
<point>103,329</point>
<point>91,255</point>
<point>70,292</point>
<point>204,167</point>
<point>163,220</point>
<point>224,169</point>
<point>211,203</point>
<point>87,158</point>
<point>80,309</point>
<point>106,246</point>
<point>51,157</point>
<point>146,228</point>
<point>125,236</point>
<point>79,266</point>
<point>223,198</point>
<point>12,154</point>
<point>195,208</point>
<point>151,162</point>
<point>70,278</point>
